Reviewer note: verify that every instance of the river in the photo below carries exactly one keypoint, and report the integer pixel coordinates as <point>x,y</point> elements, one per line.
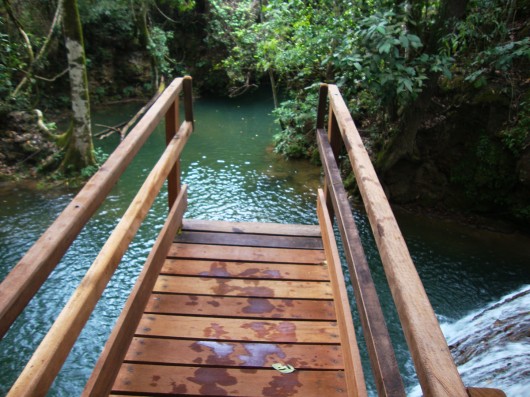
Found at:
<point>233,175</point>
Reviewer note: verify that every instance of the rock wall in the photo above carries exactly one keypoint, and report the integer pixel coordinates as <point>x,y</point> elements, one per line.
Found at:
<point>462,163</point>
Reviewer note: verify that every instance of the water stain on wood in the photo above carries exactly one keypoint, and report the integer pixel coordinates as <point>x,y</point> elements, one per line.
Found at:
<point>258,306</point>
<point>211,380</point>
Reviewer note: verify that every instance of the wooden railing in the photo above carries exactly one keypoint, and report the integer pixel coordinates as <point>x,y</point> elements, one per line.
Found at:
<point>437,373</point>
<point>33,269</point>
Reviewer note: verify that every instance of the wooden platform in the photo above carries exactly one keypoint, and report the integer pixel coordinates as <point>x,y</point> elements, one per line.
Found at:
<point>230,301</point>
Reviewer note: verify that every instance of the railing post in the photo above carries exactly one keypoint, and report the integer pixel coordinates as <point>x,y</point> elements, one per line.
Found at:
<point>334,138</point>
<point>172,126</point>
<point>322,103</point>
<point>188,99</point>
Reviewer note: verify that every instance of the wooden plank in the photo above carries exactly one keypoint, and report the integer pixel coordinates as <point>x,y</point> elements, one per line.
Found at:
<point>252,227</point>
<point>48,358</point>
<point>33,269</point>
<point>241,307</point>
<point>254,240</point>
<point>106,368</point>
<point>484,392</point>
<point>253,254</point>
<point>283,271</point>
<point>235,329</point>
<point>233,354</point>
<point>434,364</point>
<point>352,359</point>
<point>168,380</point>
<point>242,287</point>
<point>382,358</point>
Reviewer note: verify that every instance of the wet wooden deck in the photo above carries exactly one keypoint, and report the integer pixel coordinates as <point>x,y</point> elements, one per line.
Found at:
<point>230,301</point>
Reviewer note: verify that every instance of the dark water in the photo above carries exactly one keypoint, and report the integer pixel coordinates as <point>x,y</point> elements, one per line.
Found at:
<point>232,175</point>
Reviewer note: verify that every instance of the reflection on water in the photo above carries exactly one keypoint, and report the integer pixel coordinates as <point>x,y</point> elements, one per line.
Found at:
<point>232,175</point>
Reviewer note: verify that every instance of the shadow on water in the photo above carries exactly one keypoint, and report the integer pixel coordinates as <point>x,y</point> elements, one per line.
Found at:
<point>232,175</point>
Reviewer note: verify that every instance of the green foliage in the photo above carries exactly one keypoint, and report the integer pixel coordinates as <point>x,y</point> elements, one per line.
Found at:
<point>383,59</point>
<point>107,21</point>
<point>158,48</point>
<point>297,119</point>
<point>497,59</point>
<point>90,170</point>
<point>516,137</point>
<point>232,40</point>
<point>12,62</point>
<point>485,172</point>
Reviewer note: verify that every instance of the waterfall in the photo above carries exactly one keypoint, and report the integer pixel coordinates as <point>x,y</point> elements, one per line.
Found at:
<point>491,346</point>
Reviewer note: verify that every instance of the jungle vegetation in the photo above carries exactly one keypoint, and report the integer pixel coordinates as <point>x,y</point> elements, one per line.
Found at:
<point>439,89</point>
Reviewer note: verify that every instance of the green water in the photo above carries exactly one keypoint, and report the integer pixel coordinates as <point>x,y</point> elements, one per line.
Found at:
<point>232,175</point>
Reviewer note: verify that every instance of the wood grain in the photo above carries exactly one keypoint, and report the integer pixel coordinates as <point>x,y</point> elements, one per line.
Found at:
<point>484,392</point>
<point>254,240</point>
<point>252,227</point>
<point>226,269</point>
<point>253,254</point>
<point>224,306</point>
<point>256,330</point>
<point>352,359</point>
<point>222,381</point>
<point>232,354</point>
<point>242,287</point>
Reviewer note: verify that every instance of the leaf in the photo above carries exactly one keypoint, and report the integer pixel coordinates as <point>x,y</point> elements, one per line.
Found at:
<point>408,84</point>
<point>282,368</point>
<point>385,48</point>
<point>404,41</point>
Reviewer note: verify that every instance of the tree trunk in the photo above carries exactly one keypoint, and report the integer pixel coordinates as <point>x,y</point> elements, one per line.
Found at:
<point>79,151</point>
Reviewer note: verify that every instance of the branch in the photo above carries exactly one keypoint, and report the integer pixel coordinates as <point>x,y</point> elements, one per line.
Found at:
<point>53,78</point>
<point>164,15</point>
<point>122,128</point>
<point>144,109</point>
<point>236,91</point>
<point>109,130</point>
<point>56,20</point>
<point>20,28</point>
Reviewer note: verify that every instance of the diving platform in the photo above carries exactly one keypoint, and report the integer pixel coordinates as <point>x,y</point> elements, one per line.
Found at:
<point>238,309</point>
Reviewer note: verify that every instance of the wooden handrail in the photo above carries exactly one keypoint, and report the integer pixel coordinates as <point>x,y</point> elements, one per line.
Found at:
<point>107,368</point>
<point>44,365</point>
<point>354,375</point>
<point>379,345</point>
<point>25,279</point>
<point>432,359</point>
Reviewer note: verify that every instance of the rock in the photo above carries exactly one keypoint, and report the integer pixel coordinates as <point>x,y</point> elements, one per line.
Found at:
<point>23,145</point>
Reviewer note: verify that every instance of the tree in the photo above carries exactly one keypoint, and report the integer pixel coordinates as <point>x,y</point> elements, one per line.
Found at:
<point>79,149</point>
<point>403,142</point>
